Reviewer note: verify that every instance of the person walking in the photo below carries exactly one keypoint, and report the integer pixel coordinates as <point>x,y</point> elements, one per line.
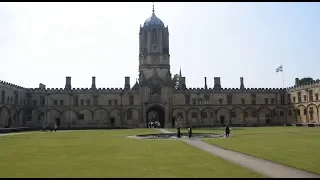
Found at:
<point>227,130</point>
<point>178,132</point>
<point>190,132</point>
<point>55,127</point>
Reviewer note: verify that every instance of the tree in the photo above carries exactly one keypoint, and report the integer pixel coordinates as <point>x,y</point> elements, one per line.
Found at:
<point>175,81</point>
<point>306,80</point>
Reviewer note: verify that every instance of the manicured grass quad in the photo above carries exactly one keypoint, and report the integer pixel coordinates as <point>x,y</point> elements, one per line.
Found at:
<point>293,146</point>
<point>107,153</point>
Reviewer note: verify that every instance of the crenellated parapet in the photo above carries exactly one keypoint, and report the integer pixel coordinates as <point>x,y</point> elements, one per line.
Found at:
<point>315,84</point>
<point>81,90</point>
<point>11,86</point>
<point>231,90</point>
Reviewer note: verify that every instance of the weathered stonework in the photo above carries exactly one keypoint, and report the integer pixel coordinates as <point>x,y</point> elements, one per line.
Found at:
<point>107,107</point>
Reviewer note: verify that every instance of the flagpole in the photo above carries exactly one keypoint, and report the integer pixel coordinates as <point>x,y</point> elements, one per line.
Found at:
<point>282,78</point>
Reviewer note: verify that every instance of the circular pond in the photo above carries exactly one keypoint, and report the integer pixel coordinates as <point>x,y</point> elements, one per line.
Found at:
<point>174,135</point>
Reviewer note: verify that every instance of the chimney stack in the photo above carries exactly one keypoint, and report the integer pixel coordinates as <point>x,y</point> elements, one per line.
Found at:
<point>93,85</point>
<point>217,84</point>
<point>127,82</point>
<point>183,83</point>
<point>297,82</point>
<point>42,86</point>
<point>241,83</point>
<point>68,83</point>
<point>205,83</point>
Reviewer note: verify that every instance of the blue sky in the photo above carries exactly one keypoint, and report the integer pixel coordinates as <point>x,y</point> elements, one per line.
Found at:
<point>45,42</point>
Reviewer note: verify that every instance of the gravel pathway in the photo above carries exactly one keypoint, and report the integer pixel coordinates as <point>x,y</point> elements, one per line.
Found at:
<point>264,167</point>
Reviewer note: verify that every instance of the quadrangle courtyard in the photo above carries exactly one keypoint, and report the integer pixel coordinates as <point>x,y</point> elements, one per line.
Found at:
<point>109,153</point>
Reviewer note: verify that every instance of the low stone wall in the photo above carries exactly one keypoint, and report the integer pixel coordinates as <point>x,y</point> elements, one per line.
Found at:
<point>238,125</point>
<point>93,127</point>
<point>308,125</point>
<point>19,129</point>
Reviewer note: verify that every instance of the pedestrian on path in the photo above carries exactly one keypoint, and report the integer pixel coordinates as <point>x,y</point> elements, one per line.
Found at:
<point>55,127</point>
<point>227,129</point>
<point>190,132</point>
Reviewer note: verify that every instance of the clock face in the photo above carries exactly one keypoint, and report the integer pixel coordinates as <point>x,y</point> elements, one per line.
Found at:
<point>155,60</point>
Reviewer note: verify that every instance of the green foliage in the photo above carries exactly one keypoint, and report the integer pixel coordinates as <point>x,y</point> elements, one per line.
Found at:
<point>306,80</point>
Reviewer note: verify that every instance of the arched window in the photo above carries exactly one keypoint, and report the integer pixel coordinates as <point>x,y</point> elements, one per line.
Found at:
<point>164,39</point>
<point>154,36</point>
<point>145,38</point>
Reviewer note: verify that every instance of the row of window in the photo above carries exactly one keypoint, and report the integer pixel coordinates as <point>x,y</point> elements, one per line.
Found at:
<point>305,98</point>
<point>81,116</point>
<point>10,100</point>
<point>83,102</point>
<point>229,100</point>
<point>232,114</point>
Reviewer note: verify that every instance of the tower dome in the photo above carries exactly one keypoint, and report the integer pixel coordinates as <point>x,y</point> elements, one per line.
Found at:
<point>153,20</point>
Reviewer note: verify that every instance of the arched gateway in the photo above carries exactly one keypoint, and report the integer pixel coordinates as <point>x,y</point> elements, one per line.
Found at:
<point>156,113</point>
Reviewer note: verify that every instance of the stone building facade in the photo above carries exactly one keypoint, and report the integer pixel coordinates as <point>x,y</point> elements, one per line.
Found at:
<point>154,97</point>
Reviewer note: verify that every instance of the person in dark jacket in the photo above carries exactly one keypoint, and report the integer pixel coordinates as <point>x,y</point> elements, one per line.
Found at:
<point>227,129</point>
<point>190,132</point>
<point>55,127</point>
<point>178,132</point>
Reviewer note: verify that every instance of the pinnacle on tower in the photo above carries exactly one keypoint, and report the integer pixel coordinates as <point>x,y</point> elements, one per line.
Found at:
<point>153,7</point>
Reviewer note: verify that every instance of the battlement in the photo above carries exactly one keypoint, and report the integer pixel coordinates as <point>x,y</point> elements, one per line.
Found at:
<point>12,86</point>
<point>231,90</point>
<point>81,90</point>
<point>304,86</point>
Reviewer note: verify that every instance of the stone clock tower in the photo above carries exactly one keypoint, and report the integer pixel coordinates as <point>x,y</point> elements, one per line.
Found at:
<point>154,68</point>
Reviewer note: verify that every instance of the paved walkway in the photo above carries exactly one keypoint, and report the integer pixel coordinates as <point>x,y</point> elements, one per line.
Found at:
<point>11,134</point>
<point>264,167</point>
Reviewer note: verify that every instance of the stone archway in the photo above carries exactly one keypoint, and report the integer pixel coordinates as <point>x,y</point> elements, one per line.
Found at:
<point>156,113</point>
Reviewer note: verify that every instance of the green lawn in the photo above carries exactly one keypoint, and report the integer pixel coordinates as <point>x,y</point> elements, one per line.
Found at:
<point>293,146</point>
<point>106,153</point>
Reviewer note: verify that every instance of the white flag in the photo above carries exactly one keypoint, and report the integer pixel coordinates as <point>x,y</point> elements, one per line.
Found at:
<point>279,69</point>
